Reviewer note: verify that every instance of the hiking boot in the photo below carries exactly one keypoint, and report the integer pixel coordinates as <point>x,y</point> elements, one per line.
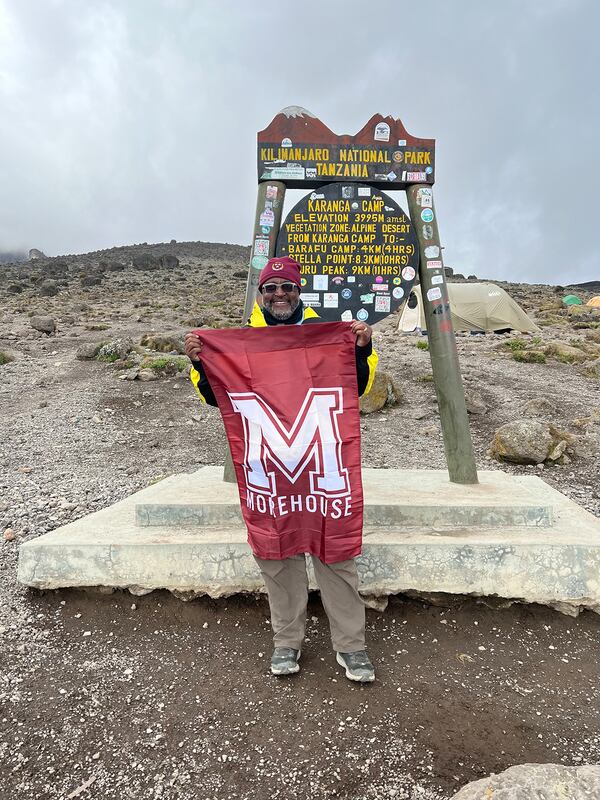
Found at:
<point>357,666</point>
<point>284,661</point>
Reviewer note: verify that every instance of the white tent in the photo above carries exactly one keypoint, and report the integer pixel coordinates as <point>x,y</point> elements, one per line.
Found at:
<point>474,307</point>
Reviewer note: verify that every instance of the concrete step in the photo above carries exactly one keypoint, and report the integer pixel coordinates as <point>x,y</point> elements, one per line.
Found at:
<point>412,498</point>
<point>558,565</point>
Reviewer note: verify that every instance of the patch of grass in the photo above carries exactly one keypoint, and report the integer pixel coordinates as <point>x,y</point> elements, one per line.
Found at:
<point>552,319</point>
<point>166,363</point>
<point>97,326</point>
<point>515,344</point>
<point>108,359</point>
<point>536,341</point>
<point>427,378</point>
<point>5,358</point>
<point>529,356</point>
<point>566,358</point>
<point>591,372</point>
<point>421,344</point>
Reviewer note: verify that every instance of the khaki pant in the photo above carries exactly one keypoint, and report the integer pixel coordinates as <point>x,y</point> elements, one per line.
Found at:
<point>287,586</point>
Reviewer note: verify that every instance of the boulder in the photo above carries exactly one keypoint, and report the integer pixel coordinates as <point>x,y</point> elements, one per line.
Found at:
<point>163,343</point>
<point>86,352</point>
<point>55,269</point>
<point>43,324</point>
<point>48,288</point>
<point>35,253</point>
<point>475,402</point>
<point>524,441</point>
<point>145,261</point>
<point>565,352</point>
<point>538,407</point>
<point>94,279</point>
<point>530,781</point>
<point>384,392</point>
<point>168,261</point>
<point>116,348</point>
<point>15,288</point>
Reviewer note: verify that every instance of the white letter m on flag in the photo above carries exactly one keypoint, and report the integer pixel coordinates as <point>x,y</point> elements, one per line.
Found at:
<point>314,438</point>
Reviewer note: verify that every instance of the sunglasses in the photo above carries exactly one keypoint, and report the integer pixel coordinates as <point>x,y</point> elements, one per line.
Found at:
<point>271,288</point>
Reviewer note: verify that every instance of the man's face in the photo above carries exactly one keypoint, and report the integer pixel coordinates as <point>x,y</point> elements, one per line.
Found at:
<point>279,303</point>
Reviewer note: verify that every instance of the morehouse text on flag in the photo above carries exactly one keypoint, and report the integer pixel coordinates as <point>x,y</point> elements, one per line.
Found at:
<point>289,401</point>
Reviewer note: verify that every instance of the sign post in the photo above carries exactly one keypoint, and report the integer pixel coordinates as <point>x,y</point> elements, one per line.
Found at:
<point>358,250</point>
<point>440,335</point>
<point>267,221</point>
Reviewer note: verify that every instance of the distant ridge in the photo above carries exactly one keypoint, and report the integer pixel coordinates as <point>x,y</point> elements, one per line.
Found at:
<point>588,286</point>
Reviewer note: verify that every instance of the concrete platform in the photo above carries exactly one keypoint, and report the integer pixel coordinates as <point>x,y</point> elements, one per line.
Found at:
<point>513,537</point>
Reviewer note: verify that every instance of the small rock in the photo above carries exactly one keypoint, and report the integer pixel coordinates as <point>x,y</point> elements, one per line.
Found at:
<point>147,375</point>
<point>87,351</point>
<point>48,288</point>
<point>475,403</point>
<point>43,324</point>
<point>9,535</point>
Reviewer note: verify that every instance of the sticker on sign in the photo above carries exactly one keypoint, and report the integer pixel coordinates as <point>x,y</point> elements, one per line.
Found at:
<point>311,298</point>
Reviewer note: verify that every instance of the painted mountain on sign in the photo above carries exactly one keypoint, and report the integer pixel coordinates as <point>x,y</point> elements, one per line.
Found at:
<point>299,126</point>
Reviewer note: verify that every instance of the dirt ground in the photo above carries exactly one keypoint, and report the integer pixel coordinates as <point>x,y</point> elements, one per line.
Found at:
<point>116,696</point>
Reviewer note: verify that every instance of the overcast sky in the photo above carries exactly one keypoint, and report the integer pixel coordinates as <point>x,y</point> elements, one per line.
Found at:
<point>124,121</point>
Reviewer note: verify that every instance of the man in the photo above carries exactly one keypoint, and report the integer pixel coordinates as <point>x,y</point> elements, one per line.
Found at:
<point>286,579</point>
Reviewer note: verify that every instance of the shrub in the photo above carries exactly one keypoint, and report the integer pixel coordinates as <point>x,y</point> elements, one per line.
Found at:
<point>167,364</point>
<point>5,358</point>
<point>422,344</point>
<point>515,344</point>
<point>591,372</point>
<point>529,356</point>
<point>108,358</point>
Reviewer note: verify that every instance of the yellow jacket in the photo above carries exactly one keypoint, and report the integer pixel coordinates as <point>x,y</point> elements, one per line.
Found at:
<point>257,320</point>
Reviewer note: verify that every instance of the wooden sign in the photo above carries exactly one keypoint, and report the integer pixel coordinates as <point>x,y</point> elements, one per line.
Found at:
<point>298,149</point>
<point>357,249</point>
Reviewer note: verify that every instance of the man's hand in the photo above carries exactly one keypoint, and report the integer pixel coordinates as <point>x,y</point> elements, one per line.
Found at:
<point>193,346</point>
<point>362,332</point>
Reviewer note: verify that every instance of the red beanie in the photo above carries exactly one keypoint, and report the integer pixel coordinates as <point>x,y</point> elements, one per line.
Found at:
<point>285,268</point>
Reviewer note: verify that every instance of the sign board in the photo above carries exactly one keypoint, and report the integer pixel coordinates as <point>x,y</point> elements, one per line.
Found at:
<point>357,249</point>
<point>300,150</point>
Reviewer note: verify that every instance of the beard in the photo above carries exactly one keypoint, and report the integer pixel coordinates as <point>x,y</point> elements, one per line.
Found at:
<point>282,313</point>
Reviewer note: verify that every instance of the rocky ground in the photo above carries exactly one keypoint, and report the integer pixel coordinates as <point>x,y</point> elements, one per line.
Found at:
<point>115,696</point>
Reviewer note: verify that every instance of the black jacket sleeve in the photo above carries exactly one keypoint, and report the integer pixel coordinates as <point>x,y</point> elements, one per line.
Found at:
<point>203,385</point>
<point>362,366</point>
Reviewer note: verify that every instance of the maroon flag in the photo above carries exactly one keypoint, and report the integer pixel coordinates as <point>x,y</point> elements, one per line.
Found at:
<point>289,401</point>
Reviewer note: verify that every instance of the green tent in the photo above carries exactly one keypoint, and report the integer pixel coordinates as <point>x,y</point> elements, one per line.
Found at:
<point>572,300</point>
